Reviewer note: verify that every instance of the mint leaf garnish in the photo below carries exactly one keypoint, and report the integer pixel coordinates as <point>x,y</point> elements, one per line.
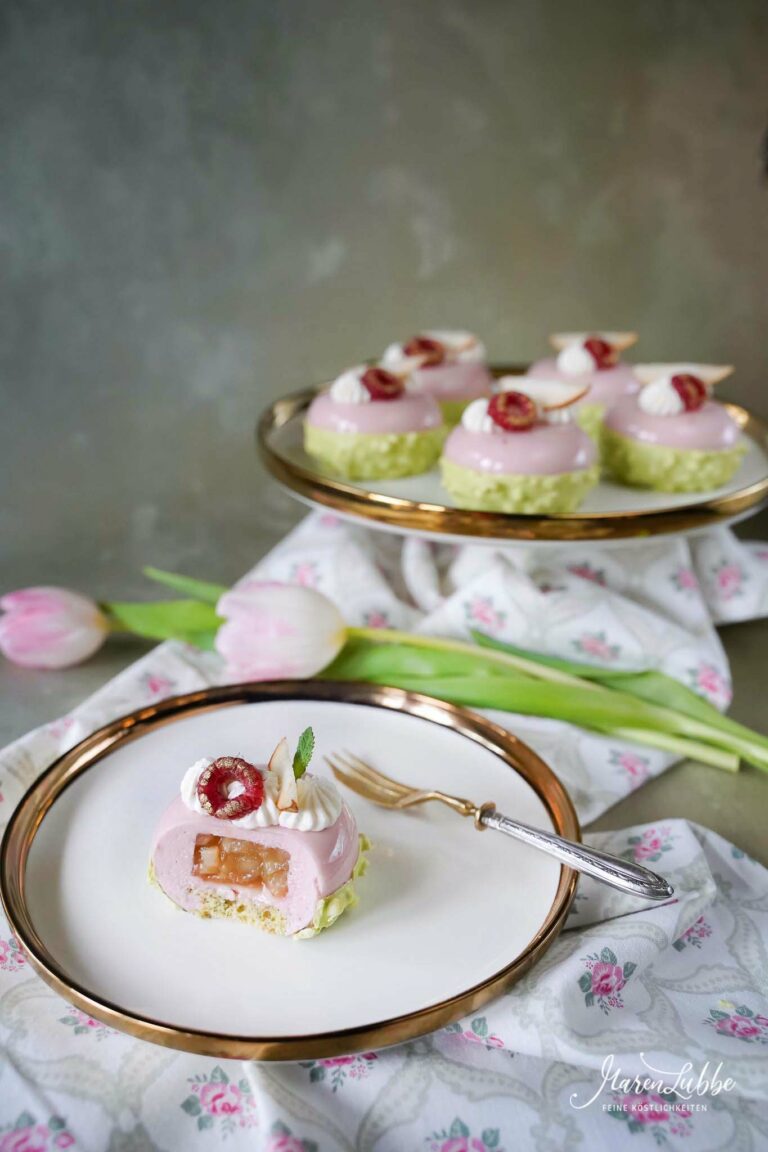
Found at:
<point>304,750</point>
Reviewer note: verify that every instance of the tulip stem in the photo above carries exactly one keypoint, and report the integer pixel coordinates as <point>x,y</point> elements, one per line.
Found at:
<point>503,659</point>
<point>666,727</point>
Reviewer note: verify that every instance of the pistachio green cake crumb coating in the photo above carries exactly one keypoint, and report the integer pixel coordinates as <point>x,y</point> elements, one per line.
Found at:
<point>371,456</point>
<point>549,495</point>
<point>590,418</point>
<point>667,469</point>
<point>453,410</point>
<point>213,905</point>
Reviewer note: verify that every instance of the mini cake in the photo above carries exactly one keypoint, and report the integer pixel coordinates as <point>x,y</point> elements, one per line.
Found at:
<point>271,845</point>
<point>451,366</point>
<point>368,425</point>
<point>520,451</point>
<point>671,436</point>
<point>592,360</point>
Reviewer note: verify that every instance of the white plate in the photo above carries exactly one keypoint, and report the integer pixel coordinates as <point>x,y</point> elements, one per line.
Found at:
<point>444,909</point>
<point>610,512</point>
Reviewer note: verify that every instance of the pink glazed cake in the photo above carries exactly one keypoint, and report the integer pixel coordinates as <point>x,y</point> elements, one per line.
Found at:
<point>371,424</point>
<point>672,436</point>
<point>257,844</point>
<point>593,360</point>
<point>451,366</point>
<point>521,451</point>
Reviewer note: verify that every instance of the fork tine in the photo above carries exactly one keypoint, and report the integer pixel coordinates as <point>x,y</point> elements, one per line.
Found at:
<point>372,774</point>
<point>359,771</point>
<point>362,787</point>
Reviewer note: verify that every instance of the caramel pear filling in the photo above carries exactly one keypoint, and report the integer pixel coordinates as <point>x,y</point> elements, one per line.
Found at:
<point>224,860</point>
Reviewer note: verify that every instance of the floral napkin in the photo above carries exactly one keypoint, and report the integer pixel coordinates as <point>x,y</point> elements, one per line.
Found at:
<point>675,995</point>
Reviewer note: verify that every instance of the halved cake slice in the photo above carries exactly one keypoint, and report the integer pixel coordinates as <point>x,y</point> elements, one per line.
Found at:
<point>272,845</point>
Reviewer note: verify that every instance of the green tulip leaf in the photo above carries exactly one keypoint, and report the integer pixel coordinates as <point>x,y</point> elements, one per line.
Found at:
<point>187,585</point>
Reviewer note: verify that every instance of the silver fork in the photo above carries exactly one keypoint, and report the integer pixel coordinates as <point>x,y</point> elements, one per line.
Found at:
<point>389,793</point>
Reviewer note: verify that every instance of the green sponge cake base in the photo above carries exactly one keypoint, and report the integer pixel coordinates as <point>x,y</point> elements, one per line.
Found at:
<point>667,469</point>
<point>371,456</point>
<point>453,410</point>
<point>548,495</point>
<point>590,418</point>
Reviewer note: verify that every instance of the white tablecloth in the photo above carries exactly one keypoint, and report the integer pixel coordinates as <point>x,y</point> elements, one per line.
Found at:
<point>675,994</point>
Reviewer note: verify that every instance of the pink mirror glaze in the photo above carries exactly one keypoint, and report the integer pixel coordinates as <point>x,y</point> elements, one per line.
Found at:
<point>606,385</point>
<point>454,380</point>
<point>708,429</point>
<point>410,413</point>
<point>545,450</point>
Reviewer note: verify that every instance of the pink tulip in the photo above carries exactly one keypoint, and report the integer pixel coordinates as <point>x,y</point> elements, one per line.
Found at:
<point>50,627</point>
<point>277,631</point>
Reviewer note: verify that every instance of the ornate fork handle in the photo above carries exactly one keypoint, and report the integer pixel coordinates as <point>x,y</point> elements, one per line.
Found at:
<point>610,869</point>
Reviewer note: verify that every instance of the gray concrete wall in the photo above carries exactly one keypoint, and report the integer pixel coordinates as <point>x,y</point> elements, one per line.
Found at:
<point>205,204</point>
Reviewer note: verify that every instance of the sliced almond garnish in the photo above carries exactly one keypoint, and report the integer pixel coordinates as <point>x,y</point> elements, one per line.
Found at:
<point>443,335</point>
<point>548,395</point>
<point>618,340</point>
<point>281,763</point>
<point>709,374</point>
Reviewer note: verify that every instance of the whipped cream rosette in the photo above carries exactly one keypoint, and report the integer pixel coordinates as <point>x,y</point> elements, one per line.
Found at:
<point>672,435</point>
<point>594,360</point>
<point>449,365</point>
<point>270,844</point>
<point>521,451</point>
<point>371,423</point>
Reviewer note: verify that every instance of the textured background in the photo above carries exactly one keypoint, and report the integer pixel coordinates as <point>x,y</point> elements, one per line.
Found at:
<point>203,205</point>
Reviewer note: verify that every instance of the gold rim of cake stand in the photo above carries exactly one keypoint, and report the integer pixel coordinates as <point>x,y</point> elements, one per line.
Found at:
<point>399,513</point>
<point>31,811</point>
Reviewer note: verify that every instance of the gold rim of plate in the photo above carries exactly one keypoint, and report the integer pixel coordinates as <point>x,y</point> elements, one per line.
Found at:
<point>31,811</point>
<point>398,513</point>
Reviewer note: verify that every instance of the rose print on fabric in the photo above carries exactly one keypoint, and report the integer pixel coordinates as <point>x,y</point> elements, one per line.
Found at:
<point>477,1033</point>
<point>596,646</point>
<point>281,1139</point>
<point>635,767</point>
<point>59,728</point>
<point>709,682</point>
<point>11,956</point>
<point>26,1135</point>
<point>81,1024</point>
<point>305,573</point>
<point>729,579</point>
<point>604,979</point>
<point>482,613</point>
<point>459,1138</point>
<point>740,1022</point>
<point>693,936</point>
<point>336,1070</point>
<point>587,572</point>
<point>684,579</point>
<point>660,1116</point>
<point>377,618</point>
<point>651,845</point>
<point>549,586</point>
<point>155,685</point>
<point>216,1102</point>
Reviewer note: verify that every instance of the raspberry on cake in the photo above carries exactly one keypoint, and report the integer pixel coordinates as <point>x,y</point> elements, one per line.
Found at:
<point>271,845</point>
<point>370,425</point>
<point>672,436</point>
<point>451,366</point>
<point>594,360</point>
<point>521,451</point>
